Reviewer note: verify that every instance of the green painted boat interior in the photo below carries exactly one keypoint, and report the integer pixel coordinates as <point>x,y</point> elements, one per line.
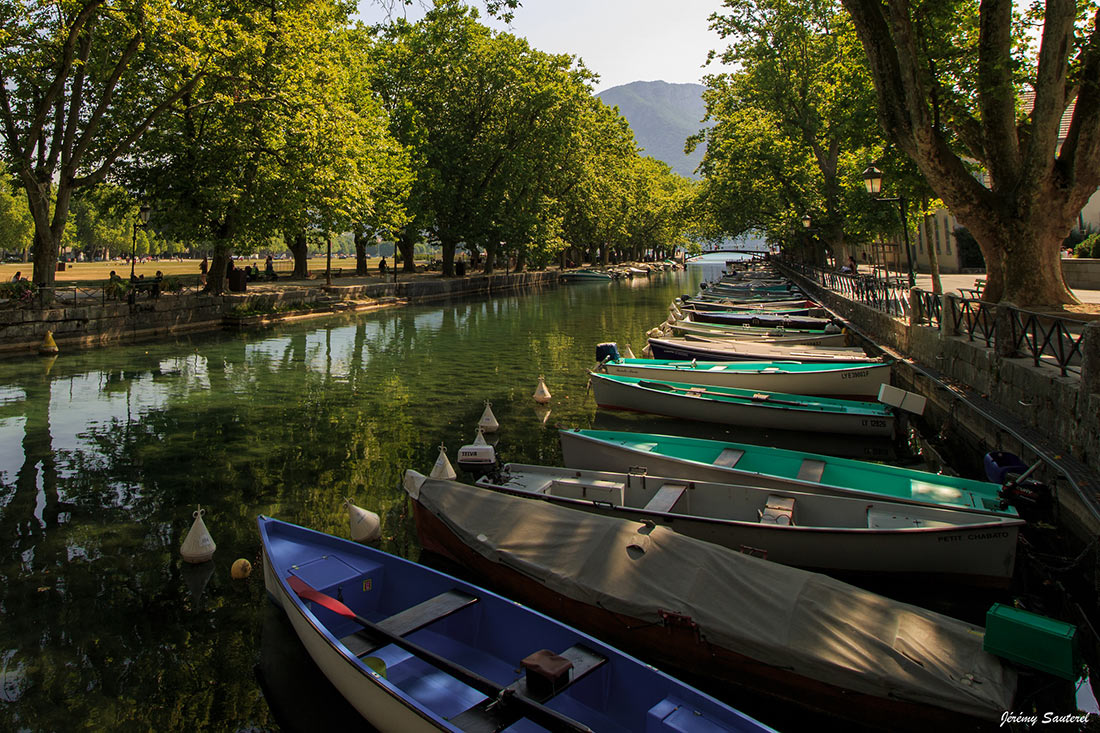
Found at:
<point>778,400</point>
<point>878,478</point>
<point>748,366</point>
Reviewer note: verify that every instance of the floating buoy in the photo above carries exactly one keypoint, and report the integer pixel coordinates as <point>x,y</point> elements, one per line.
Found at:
<point>443,468</point>
<point>365,525</point>
<point>628,353</point>
<point>49,346</point>
<point>241,569</point>
<point>488,422</point>
<point>542,394</point>
<point>198,546</point>
<point>479,439</point>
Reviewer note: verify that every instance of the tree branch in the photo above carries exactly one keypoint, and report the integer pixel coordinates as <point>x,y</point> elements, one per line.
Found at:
<point>996,93</point>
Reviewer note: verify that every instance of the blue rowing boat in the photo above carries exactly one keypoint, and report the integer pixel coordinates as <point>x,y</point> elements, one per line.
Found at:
<point>414,649</point>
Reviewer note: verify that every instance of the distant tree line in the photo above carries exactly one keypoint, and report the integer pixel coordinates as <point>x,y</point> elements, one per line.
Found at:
<point>282,125</point>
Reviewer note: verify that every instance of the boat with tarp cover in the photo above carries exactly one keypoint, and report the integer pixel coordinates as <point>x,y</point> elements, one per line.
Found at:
<point>414,649</point>
<point>756,465</point>
<point>795,637</point>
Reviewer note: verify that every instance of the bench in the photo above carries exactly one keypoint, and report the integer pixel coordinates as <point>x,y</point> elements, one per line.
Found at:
<point>778,510</point>
<point>974,293</point>
<point>666,497</point>
<point>811,470</point>
<point>362,642</point>
<point>729,457</point>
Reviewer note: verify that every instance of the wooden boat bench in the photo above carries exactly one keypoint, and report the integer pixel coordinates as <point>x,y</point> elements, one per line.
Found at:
<point>666,497</point>
<point>811,470</point>
<point>402,623</point>
<point>778,510</point>
<point>485,717</point>
<point>729,457</point>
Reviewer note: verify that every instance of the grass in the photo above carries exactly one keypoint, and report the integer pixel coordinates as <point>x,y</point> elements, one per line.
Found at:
<point>100,271</point>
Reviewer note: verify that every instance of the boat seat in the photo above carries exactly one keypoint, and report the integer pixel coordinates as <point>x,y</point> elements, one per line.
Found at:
<point>729,457</point>
<point>486,717</point>
<point>778,510</point>
<point>811,470</point>
<point>405,622</point>
<point>666,497</point>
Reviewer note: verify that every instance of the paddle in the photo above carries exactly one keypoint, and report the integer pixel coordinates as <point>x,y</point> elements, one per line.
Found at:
<point>502,696</point>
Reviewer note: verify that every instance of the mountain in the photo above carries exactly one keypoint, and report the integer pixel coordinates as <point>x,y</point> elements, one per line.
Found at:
<point>663,116</point>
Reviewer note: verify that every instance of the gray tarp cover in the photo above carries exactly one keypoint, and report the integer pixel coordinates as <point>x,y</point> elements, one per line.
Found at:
<point>809,623</point>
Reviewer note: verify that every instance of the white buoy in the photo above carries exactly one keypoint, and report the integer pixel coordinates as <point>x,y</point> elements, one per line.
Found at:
<point>443,468</point>
<point>488,422</point>
<point>542,394</point>
<point>479,439</point>
<point>627,353</point>
<point>365,526</point>
<point>198,546</point>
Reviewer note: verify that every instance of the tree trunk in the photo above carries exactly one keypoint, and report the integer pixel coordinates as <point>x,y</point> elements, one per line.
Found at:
<point>361,253</point>
<point>448,245</point>
<point>299,248</point>
<point>933,257</point>
<point>490,257</point>
<point>215,278</point>
<point>406,244</point>
<point>521,260</point>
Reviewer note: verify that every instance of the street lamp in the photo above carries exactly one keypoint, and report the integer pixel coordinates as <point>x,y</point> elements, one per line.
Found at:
<point>143,213</point>
<point>872,177</point>
<point>806,221</point>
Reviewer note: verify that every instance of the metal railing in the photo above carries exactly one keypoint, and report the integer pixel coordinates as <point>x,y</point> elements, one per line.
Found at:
<point>889,295</point>
<point>1018,333</point>
<point>60,296</point>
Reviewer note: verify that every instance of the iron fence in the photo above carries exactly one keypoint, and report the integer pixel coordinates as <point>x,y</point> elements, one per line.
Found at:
<point>1018,333</point>
<point>53,296</point>
<point>888,294</point>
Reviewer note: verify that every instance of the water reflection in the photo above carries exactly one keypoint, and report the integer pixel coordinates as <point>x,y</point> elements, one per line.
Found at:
<point>104,456</point>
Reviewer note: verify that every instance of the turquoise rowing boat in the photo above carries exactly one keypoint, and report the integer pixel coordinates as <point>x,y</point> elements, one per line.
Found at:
<point>754,465</point>
<point>746,407</point>
<point>850,379</point>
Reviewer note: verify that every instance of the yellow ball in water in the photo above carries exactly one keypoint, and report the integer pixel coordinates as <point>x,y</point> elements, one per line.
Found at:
<point>241,569</point>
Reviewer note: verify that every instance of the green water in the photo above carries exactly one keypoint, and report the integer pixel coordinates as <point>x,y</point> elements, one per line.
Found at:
<point>105,454</point>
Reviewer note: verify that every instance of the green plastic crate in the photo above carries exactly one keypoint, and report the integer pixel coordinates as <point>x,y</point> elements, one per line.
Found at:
<point>1032,640</point>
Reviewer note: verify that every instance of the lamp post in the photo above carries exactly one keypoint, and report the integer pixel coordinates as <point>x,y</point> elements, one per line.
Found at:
<point>143,214</point>
<point>872,177</point>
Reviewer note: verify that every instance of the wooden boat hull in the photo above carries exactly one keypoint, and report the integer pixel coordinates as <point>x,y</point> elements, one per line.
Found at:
<point>679,644</point>
<point>854,380</point>
<point>449,618</point>
<point>825,534</point>
<point>748,351</point>
<point>676,400</point>
<point>735,463</point>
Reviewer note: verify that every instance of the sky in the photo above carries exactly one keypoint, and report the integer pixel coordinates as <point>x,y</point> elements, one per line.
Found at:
<point>621,40</point>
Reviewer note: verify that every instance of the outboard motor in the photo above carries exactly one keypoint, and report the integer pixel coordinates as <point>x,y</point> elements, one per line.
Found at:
<point>1030,497</point>
<point>607,351</point>
<point>478,460</point>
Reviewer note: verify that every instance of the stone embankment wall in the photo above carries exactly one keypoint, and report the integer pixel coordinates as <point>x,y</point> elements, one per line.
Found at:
<point>97,323</point>
<point>1082,273</point>
<point>996,402</point>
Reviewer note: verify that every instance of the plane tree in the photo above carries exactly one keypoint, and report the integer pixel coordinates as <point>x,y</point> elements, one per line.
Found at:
<point>81,81</point>
<point>962,90</point>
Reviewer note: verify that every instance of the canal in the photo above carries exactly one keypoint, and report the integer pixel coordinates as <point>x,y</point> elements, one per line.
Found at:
<point>105,454</point>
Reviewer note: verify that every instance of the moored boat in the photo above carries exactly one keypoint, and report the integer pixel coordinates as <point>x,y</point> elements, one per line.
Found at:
<point>587,275</point>
<point>413,649</point>
<point>755,465</point>
<point>682,348</point>
<point>802,638</point>
<point>850,379</point>
<point>776,335</point>
<point>813,531</point>
<point>733,406</point>
<point>734,317</point>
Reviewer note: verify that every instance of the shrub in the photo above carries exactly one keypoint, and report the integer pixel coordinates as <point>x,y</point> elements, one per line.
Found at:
<point>1090,247</point>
